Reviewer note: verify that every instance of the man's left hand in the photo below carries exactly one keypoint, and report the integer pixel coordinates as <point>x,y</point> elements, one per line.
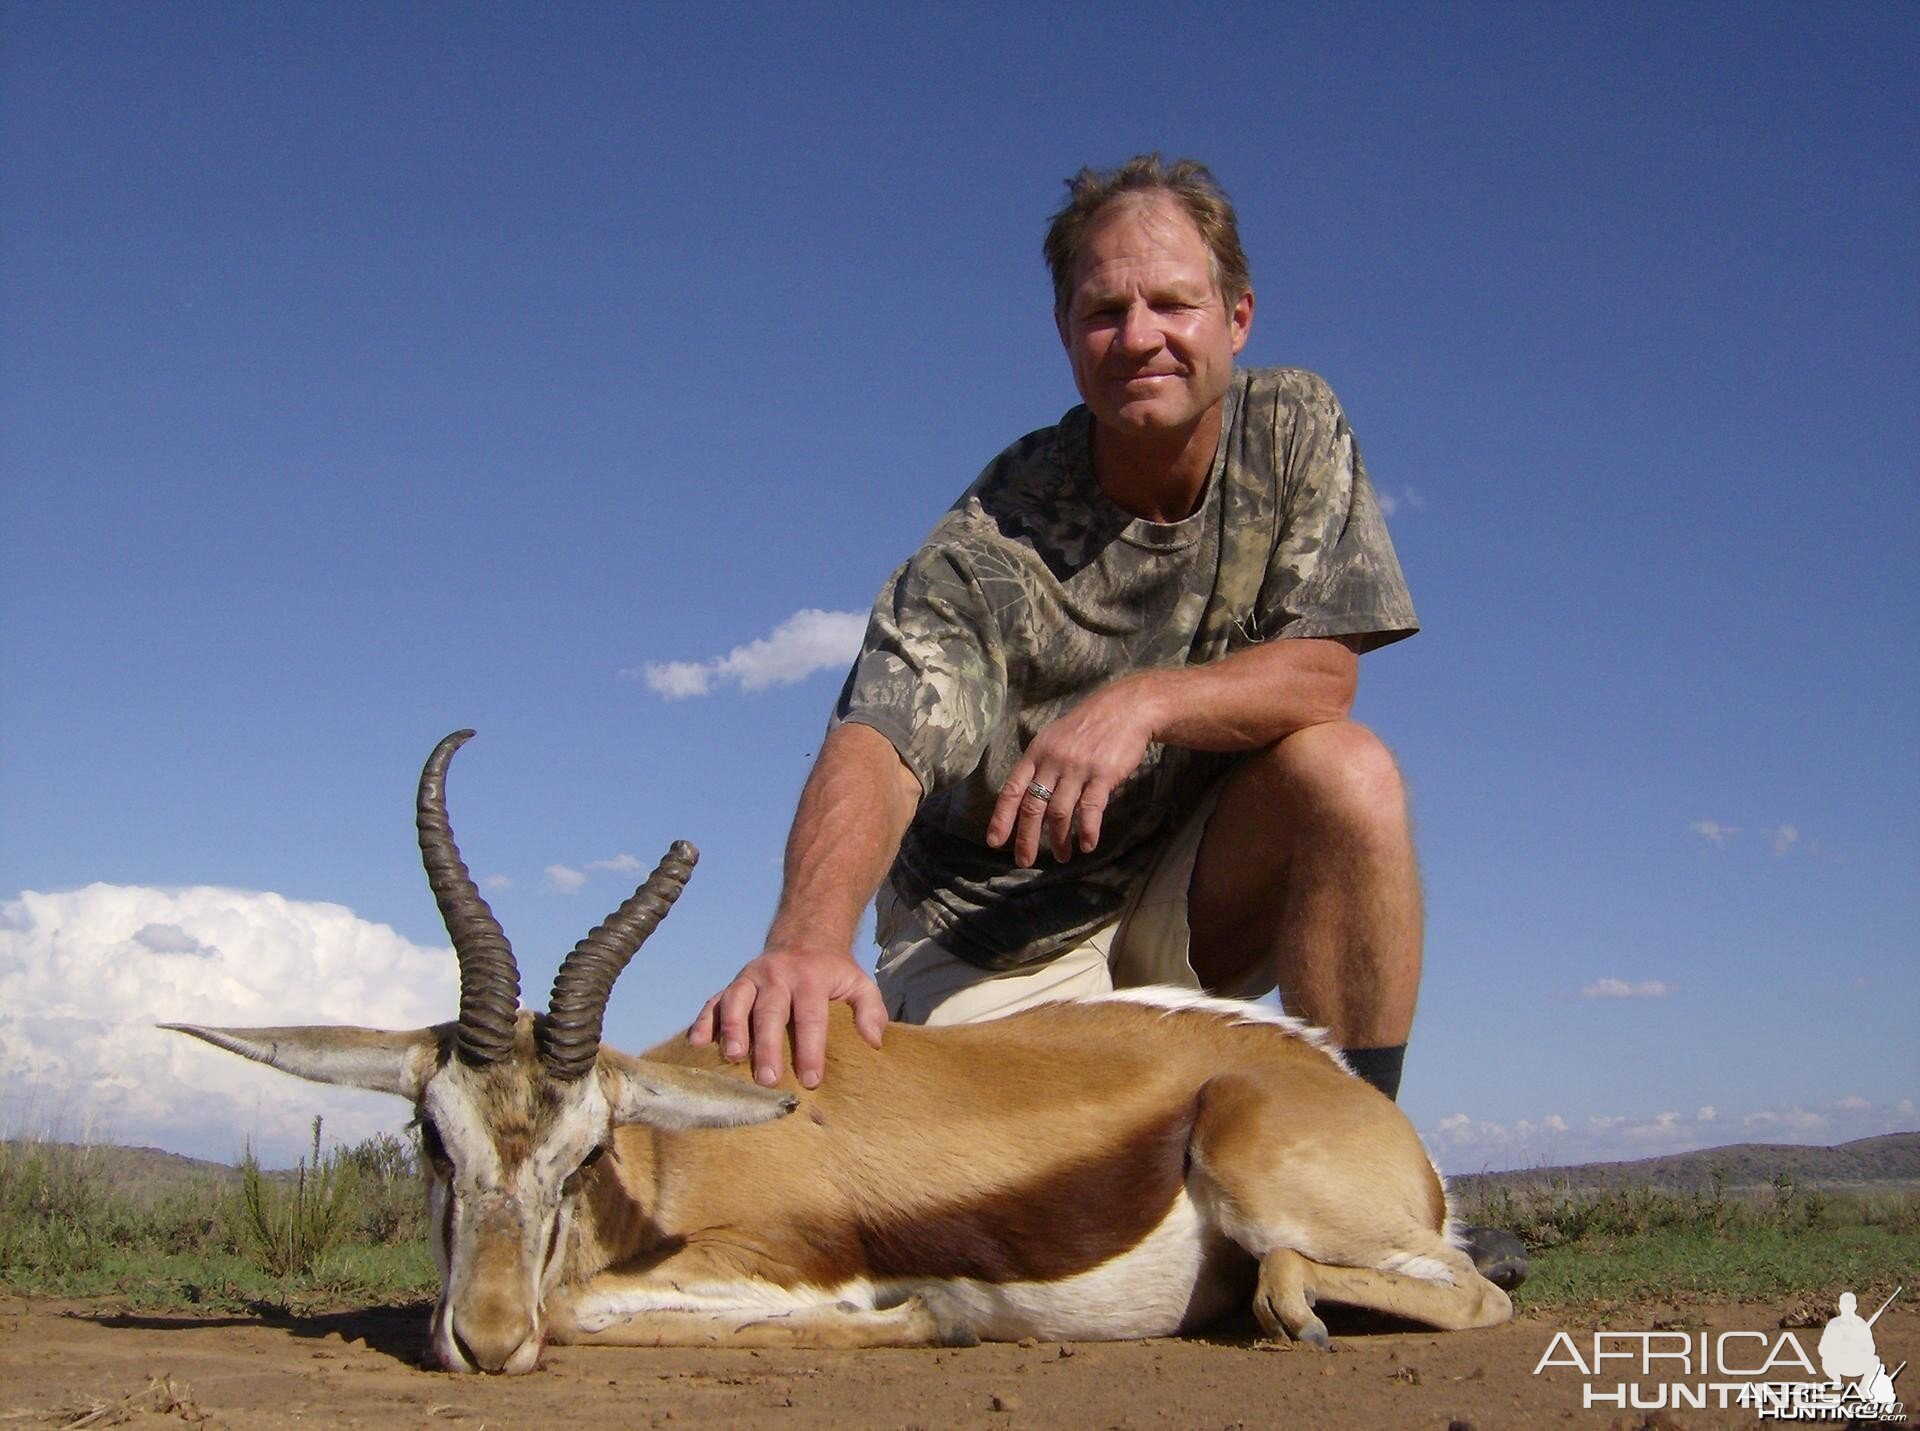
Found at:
<point>1079,758</point>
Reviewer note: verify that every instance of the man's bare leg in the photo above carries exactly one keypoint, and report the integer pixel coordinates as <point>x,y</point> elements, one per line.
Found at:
<point>1308,863</point>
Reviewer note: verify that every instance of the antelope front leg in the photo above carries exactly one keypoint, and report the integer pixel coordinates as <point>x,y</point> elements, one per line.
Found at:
<point>617,1318</point>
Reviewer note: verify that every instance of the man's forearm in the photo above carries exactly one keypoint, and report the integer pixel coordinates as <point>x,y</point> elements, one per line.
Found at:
<point>856,807</point>
<point>1249,700</point>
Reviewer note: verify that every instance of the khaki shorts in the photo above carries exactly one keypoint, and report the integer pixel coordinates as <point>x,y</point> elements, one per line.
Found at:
<point>923,984</point>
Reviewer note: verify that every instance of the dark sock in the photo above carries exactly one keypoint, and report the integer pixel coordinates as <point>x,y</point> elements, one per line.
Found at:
<point>1379,1066</point>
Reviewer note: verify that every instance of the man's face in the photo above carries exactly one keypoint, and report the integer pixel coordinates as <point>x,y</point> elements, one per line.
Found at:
<point>1150,337</point>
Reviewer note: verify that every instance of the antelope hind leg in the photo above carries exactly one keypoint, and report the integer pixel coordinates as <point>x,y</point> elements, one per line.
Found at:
<point>1469,1301</point>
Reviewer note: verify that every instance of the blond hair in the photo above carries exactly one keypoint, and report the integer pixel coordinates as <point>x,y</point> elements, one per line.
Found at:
<point>1187,182</point>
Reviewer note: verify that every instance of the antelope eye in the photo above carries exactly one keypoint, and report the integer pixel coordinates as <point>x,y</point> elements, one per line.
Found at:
<point>572,1184</point>
<point>432,1145</point>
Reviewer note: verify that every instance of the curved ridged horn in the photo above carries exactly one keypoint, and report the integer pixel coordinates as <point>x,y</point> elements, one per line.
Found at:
<point>489,979</point>
<point>571,1039</point>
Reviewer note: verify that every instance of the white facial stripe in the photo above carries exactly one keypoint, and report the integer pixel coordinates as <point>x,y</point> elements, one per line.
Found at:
<point>457,1118</point>
<point>577,1131</point>
<point>557,1256</point>
<point>440,1206</point>
<point>581,1126</point>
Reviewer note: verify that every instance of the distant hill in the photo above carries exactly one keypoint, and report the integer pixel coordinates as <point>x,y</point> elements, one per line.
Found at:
<point>1890,1160</point>
<point>139,1173</point>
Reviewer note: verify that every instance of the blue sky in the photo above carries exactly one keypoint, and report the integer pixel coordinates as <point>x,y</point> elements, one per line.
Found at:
<point>367,372</point>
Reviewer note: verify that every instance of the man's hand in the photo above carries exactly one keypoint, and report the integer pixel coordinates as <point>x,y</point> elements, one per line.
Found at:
<point>1080,757</point>
<point>782,988</point>
<point>846,832</point>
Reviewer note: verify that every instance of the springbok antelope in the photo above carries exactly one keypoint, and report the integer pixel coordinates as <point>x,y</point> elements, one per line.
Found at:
<point>1124,1167</point>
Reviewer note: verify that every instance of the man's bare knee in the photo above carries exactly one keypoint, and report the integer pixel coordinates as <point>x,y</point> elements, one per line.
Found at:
<point>1340,772</point>
<point>1329,792</point>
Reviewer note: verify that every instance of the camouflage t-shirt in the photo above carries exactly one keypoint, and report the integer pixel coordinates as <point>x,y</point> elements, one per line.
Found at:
<point>1035,589</point>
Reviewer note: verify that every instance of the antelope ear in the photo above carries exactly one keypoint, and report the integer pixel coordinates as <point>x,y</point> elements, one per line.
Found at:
<point>661,1095</point>
<point>381,1062</point>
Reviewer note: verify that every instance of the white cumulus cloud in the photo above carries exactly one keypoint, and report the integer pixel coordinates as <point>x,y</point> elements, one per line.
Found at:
<point>1785,837</point>
<point>807,641</point>
<point>1621,989</point>
<point>87,973</point>
<point>620,864</point>
<point>676,680</point>
<point>1713,832</point>
<point>1391,502</point>
<point>563,879</point>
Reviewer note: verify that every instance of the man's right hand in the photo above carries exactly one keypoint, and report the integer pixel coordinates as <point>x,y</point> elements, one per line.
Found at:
<point>789,988</point>
<point>855,807</point>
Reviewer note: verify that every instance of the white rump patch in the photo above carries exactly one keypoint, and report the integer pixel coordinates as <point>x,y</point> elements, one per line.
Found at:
<point>1412,1264</point>
<point>1174,1000</point>
<point>1451,1228</point>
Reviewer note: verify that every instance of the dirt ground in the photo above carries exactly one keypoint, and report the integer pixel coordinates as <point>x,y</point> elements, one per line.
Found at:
<point>89,1364</point>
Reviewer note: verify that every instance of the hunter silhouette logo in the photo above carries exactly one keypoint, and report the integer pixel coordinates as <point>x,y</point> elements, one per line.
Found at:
<point>1848,1357</point>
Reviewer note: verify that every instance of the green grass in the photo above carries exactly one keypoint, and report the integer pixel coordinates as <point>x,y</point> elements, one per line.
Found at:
<point>227,1282</point>
<point>1693,1265</point>
<point>347,1228</point>
<point>1638,1244</point>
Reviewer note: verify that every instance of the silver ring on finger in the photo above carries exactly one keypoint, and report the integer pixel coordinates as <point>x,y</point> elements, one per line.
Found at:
<point>1039,792</point>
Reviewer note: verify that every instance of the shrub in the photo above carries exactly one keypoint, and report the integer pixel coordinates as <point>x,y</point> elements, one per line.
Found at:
<point>57,1208</point>
<point>1556,1214</point>
<point>392,1208</point>
<point>285,1233</point>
